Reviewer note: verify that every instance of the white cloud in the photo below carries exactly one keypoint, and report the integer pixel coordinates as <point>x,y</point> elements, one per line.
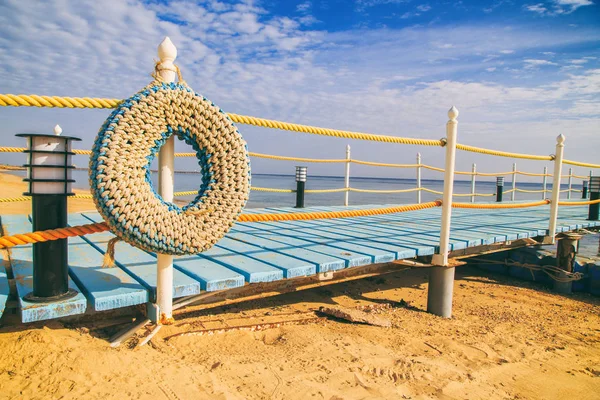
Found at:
<point>507,51</point>
<point>490,69</point>
<point>537,8</point>
<point>534,63</point>
<point>557,7</point>
<point>424,7</point>
<point>579,61</point>
<point>304,7</point>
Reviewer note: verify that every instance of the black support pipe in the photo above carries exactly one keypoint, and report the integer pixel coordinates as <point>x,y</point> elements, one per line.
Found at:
<point>584,191</point>
<point>499,188</point>
<point>51,273</point>
<point>594,209</point>
<point>300,185</point>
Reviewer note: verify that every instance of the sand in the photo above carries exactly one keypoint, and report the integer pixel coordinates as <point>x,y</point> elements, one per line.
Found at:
<point>13,186</point>
<point>507,339</point>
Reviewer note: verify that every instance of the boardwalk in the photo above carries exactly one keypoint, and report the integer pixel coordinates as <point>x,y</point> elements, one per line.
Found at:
<point>266,252</point>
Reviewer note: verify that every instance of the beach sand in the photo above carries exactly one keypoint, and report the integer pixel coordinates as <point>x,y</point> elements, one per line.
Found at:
<point>13,186</point>
<point>508,339</point>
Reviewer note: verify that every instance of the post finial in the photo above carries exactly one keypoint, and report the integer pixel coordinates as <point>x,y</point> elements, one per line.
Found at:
<point>560,139</point>
<point>453,113</point>
<point>167,50</point>
<point>57,130</point>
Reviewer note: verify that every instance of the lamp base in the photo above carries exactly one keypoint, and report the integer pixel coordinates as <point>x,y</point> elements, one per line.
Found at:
<point>31,298</point>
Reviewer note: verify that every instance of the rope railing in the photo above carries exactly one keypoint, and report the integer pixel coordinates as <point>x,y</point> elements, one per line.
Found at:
<point>23,100</point>
<point>352,160</point>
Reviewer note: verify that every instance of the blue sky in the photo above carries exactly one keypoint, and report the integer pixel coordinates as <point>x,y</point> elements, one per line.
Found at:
<point>519,72</point>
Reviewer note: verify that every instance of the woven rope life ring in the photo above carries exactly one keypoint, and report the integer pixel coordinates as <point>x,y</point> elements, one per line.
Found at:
<point>120,177</point>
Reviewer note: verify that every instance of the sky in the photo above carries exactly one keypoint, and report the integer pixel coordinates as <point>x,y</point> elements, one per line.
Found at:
<point>519,72</point>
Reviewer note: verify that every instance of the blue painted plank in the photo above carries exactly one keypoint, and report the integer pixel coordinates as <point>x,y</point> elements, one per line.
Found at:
<point>323,262</point>
<point>22,267</point>
<point>189,275</point>
<point>353,232</point>
<point>106,288</point>
<point>252,269</point>
<point>139,264</point>
<point>291,267</point>
<point>377,255</point>
<point>351,258</point>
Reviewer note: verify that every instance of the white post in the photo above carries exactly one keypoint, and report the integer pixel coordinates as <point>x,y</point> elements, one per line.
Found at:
<point>558,158</point>
<point>167,53</point>
<point>514,183</point>
<point>589,183</point>
<point>418,178</point>
<point>441,277</point>
<point>544,183</point>
<point>347,177</point>
<point>570,183</point>
<point>473,175</point>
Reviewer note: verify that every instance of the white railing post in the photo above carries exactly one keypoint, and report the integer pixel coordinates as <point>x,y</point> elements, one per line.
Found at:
<point>347,176</point>
<point>473,177</point>
<point>167,53</point>
<point>418,178</point>
<point>441,277</point>
<point>570,183</point>
<point>514,182</point>
<point>544,183</point>
<point>589,183</point>
<point>558,158</point>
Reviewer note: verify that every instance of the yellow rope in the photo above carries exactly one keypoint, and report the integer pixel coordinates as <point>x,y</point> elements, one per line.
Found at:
<point>272,190</point>
<point>532,191</point>
<point>335,214</point>
<point>578,203</point>
<point>384,191</point>
<point>326,190</point>
<point>269,123</point>
<point>432,168</point>
<point>532,174</point>
<point>51,234</point>
<point>581,164</point>
<point>499,205</point>
<point>22,100</point>
<point>502,153</point>
<point>431,191</point>
<point>14,199</point>
<point>12,149</point>
<point>378,164</point>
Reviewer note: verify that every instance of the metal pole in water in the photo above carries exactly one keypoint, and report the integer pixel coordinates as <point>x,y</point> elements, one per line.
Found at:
<point>594,209</point>
<point>167,53</point>
<point>300,185</point>
<point>473,175</point>
<point>544,183</point>
<point>441,277</point>
<point>558,157</point>
<point>570,183</point>
<point>499,188</point>
<point>347,177</point>
<point>49,184</point>
<point>418,178</point>
<point>514,183</point>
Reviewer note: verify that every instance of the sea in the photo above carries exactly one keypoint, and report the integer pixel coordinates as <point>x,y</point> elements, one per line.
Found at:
<point>589,246</point>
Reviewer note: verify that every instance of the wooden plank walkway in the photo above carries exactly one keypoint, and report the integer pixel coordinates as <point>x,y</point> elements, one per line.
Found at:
<point>267,251</point>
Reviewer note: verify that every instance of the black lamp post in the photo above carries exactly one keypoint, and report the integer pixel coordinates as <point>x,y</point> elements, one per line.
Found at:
<point>49,180</point>
<point>499,188</point>
<point>300,184</point>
